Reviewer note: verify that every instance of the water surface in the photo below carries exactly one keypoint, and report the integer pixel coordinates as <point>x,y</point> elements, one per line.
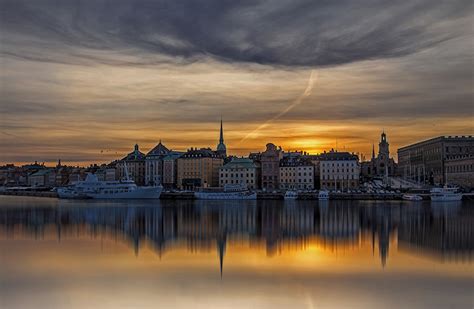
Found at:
<point>245,254</point>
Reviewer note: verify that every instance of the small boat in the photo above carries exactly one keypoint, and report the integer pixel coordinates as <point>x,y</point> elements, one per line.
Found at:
<point>412,197</point>
<point>291,195</point>
<point>230,192</point>
<point>323,195</point>
<point>445,194</point>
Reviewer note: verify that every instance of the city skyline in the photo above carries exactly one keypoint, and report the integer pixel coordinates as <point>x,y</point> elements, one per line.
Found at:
<point>78,79</point>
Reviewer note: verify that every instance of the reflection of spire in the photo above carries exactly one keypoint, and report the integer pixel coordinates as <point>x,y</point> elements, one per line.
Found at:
<point>221,244</point>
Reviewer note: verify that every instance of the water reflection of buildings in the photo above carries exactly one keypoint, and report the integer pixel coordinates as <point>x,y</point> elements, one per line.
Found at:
<point>204,226</point>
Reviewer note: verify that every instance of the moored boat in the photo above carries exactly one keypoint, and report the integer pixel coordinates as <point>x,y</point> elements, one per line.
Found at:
<point>445,194</point>
<point>91,187</point>
<point>229,192</point>
<point>291,195</point>
<point>323,195</point>
<point>412,197</point>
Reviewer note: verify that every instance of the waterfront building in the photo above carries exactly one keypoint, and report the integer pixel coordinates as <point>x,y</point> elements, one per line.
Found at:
<point>339,170</point>
<point>315,160</point>
<point>380,166</point>
<point>241,171</point>
<point>154,164</point>
<point>135,164</point>
<point>424,162</point>
<point>270,167</point>
<point>296,173</point>
<point>43,178</point>
<point>170,169</point>
<point>460,170</point>
<point>221,148</point>
<point>198,168</point>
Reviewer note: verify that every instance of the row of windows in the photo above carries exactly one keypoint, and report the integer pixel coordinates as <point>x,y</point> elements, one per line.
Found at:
<point>343,177</point>
<point>299,180</point>
<point>304,168</point>
<point>460,168</point>
<point>236,175</point>
<point>337,170</point>
<point>294,174</point>
<point>226,181</point>
<point>324,164</point>
<point>270,177</point>
<point>299,186</point>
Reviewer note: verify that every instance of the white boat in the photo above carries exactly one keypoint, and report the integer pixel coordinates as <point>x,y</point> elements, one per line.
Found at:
<point>291,195</point>
<point>412,197</point>
<point>445,194</point>
<point>93,188</point>
<point>230,192</point>
<point>323,195</point>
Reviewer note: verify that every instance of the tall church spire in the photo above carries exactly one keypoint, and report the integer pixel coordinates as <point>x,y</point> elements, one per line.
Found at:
<point>221,148</point>
<point>373,151</point>
<point>221,138</point>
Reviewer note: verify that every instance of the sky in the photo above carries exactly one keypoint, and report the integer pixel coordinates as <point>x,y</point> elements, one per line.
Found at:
<point>83,81</point>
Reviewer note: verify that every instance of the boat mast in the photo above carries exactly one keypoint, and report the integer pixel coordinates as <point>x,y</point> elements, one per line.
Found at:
<point>127,177</point>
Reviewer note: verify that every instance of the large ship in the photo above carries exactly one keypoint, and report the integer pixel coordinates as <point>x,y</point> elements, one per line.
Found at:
<point>91,187</point>
<point>229,192</point>
<point>445,194</point>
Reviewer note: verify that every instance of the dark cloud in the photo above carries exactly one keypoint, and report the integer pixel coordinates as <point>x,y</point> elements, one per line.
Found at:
<point>288,33</point>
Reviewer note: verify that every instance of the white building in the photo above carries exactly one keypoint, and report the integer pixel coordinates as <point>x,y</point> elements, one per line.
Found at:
<point>339,170</point>
<point>296,174</point>
<point>239,171</point>
<point>154,164</point>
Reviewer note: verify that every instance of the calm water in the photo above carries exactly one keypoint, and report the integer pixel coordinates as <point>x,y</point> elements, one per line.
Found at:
<point>265,254</point>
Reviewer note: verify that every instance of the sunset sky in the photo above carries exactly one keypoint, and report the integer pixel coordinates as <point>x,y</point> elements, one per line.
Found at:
<point>85,80</point>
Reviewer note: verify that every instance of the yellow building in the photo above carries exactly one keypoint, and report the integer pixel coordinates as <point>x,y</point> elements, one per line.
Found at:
<point>198,168</point>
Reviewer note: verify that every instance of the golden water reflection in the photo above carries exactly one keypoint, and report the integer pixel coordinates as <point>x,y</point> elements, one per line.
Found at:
<point>235,254</point>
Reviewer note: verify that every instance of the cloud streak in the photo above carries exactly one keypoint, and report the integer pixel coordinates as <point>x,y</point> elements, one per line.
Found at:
<point>306,93</point>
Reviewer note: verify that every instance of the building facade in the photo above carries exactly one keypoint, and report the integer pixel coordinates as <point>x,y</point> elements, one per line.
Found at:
<point>241,171</point>
<point>154,164</point>
<point>424,162</point>
<point>460,170</point>
<point>198,168</point>
<point>296,173</point>
<point>170,169</point>
<point>270,167</point>
<point>380,166</point>
<point>134,162</point>
<point>339,170</point>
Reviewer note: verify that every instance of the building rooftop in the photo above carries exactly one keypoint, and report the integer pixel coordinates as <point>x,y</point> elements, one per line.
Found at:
<point>158,150</point>
<point>135,155</point>
<point>200,153</point>
<point>338,156</point>
<point>239,163</point>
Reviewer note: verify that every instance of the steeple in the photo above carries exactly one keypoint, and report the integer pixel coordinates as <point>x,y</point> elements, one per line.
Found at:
<point>373,151</point>
<point>221,148</point>
<point>221,137</point>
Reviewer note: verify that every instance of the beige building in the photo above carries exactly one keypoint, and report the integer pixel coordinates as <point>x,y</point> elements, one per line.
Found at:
<point>170,169</point>
<point>339,170</point>
<point>460,170</point>
<point>198,168</point>
<point>296,174</point>
<point>135,164</point>
<point>241,171</point>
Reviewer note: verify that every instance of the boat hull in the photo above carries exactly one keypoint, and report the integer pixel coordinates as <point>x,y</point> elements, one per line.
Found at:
<point>224,196</point>
<point>139,193</point>
<point>446,198</point>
